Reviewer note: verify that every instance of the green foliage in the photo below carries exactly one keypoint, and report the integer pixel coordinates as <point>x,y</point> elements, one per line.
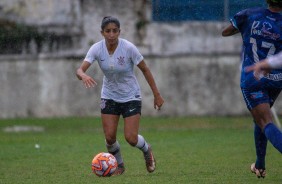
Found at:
<point>15,36</point>
<point>195,150</point>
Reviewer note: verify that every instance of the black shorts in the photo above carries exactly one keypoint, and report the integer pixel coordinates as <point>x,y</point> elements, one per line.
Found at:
<point>125,109</point>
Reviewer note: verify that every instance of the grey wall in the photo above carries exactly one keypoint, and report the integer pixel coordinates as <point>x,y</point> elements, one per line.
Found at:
<point>196,70</point>
<point>194,85</point>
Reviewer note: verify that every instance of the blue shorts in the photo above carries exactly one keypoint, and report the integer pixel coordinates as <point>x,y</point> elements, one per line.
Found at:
<point>125,109</point>
<point>256,96</point>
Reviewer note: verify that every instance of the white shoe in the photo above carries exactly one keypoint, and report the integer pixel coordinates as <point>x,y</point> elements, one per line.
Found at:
<point>258,172</point>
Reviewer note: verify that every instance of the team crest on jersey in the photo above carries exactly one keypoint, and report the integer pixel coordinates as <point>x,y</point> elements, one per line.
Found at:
<point>103,104</point>
<point>121,60</point>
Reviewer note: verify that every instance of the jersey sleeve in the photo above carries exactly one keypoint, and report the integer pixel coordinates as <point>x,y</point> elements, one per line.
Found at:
<point>91,54</point>
<point>136,56</point>
<point>239,19</point>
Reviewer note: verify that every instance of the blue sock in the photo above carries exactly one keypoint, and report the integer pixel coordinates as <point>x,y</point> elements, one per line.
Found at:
<point>261,144</point>
<point>274,135</point>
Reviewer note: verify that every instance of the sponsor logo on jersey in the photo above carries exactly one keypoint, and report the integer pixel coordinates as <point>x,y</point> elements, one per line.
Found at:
<point>264,29</point>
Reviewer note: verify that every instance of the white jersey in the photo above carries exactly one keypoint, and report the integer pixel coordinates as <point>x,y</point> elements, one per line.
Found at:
<point>275,61</point>
<point>119,82</point>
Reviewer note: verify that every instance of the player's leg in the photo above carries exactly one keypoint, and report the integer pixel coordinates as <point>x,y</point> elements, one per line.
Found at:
<point>110,123</point>
<point>252,99</point>
<point>131,116</point>
<point>263,116</point>
<point>260,145</point>
<point>260,108</point>
<point>132,137</point>
<point>110,118</point>
<point>273,133</point>
<point>131,112</point>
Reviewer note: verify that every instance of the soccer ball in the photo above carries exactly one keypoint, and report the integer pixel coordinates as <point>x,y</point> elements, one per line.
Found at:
<point>104,164</point>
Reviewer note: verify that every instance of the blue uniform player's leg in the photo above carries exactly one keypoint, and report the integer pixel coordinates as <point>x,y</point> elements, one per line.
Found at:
<point>260,145</point>
<point>274,135</point>
<point>259,102</point>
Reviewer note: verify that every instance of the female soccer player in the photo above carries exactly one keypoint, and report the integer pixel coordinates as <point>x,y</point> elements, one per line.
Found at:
<point>120,93</point>
<point>261,32</point>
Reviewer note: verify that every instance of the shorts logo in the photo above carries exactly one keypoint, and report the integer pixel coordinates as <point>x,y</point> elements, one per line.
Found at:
<point>257,94</point>
<point>103,104</point>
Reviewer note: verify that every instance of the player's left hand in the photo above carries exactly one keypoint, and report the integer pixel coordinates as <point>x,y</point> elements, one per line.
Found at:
<point>158,102</point>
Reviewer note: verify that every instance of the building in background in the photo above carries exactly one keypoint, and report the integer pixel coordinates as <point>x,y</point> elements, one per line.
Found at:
<point>43,41</point>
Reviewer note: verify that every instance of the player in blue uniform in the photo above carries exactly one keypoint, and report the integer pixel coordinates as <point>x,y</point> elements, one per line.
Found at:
<point>261,30</point>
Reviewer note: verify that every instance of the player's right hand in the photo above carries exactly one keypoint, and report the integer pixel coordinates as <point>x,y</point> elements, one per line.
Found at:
<point>88,81</point>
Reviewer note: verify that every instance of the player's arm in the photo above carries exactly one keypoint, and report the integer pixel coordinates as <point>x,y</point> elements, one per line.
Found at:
<point>158,99</point>
<point>81,75</point>
<point>275,61</point>
<point>265,66</point>
<point>229,31</point>
<point>260,66</point>
<point>260,69</point>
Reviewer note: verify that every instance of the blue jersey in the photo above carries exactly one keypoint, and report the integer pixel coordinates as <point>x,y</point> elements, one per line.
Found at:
<point>261,32</point>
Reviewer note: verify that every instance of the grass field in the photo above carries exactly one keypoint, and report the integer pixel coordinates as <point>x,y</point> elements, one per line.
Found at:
<point>197,150</point>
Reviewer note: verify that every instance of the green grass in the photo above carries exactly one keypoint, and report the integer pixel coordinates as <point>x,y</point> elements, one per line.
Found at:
<point>188,150</point>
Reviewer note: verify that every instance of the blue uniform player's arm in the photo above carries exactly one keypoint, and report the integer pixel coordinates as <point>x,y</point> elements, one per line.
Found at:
<point>229,31</point>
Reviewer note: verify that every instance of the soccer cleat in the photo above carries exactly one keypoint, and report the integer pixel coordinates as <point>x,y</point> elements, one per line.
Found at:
<point>120,170</point>
<point>150,160</point>
<point>258,172</point>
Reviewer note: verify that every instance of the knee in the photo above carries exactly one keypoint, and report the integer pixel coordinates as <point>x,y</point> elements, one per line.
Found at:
<point>110,139</point>
<point>262,123</point>
<point>131,139</point>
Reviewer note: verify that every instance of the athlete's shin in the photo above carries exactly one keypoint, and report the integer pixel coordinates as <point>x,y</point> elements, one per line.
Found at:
<point>274,135</point>
<point>142,144</point>
<point>114,149</point>
<point>260,145</point>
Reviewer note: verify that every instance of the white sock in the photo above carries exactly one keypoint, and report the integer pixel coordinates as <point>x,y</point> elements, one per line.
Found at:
<point>142,144</point>
<point>114,149</point>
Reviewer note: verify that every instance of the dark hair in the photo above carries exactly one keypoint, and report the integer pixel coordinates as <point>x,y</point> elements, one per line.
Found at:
<point>109,19</point>
<point>274,3</point>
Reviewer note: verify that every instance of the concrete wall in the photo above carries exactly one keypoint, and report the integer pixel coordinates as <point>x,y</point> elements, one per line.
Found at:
<point>194,85</point>
<point>196,70</point>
